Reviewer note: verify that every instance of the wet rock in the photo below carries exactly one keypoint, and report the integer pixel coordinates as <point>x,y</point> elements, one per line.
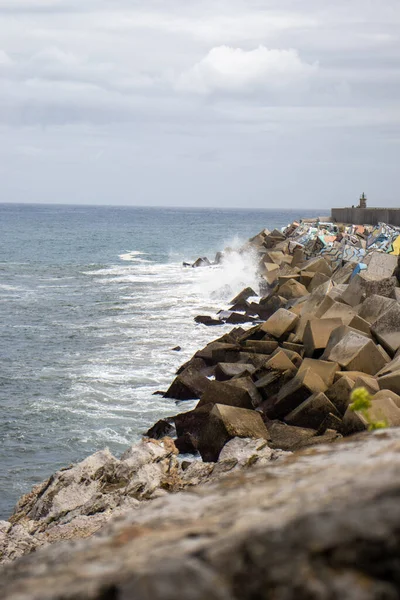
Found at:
<point>246,293</point>
<point>188,385</point>
<point>261,346</point>
<point>163,428</point>
<point>201,262</point>
<point>287,437</point>
<point>324,369</point>
<point>207,320</point>
<point>225,371</point>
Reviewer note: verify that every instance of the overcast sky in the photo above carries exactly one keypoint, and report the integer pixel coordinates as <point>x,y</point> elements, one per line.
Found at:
<point>274,103</point>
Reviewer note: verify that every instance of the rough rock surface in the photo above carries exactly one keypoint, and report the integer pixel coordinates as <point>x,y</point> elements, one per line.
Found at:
<point>77,501</point>
<point>321,524</point>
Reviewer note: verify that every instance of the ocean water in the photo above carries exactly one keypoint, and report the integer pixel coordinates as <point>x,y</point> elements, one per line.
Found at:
<point>92,301</point>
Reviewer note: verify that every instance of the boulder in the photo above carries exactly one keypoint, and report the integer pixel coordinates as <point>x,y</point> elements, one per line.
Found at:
<point>360,324</point>
<point>317,265</point>
<point>280,323</point>
<point>312,412</point>
<point>298,389</point>
<point>218,352</point>
<point>353,351</point>
<point>317,333</point>
<point>369,383</point>
<point>224,392</point>
<point>291,354</point>
<point>223,424</point>
<point>270,384</point>
<point>387,329</point>
<point>342,274</point>
<point>163,428</point>
<point>324,369</point>
<point>247,384</point>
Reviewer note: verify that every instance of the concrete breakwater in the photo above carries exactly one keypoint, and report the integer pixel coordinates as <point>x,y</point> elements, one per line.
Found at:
<point>276,479</point>
<point>367,216</point>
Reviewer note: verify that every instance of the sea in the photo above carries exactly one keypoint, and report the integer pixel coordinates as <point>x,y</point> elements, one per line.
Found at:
<point>92,302</point>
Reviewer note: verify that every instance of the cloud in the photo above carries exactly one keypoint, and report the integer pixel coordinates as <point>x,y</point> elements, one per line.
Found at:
<point>236,70</point>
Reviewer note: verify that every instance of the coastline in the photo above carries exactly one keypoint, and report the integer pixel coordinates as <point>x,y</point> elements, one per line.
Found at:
<point>326,320</point>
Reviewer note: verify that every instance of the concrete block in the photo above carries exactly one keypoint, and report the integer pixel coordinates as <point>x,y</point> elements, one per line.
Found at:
<point>261,346</point>
<point>369,383</point>
<point>340,311</point>
<point>354,352</point>
<point>381,265</point>
<point>312,412</point>
<point>390,382</point>
<point>318,265</point>
<point>331,421</point>
<point>280,362</point>
<point>225,371</point>
<point>324,369</point>
<point>223,392</point>
<point>387,394</point>
<point>224,423</point>
<point>293,393</point>
<point>317,280</point>
<point>386,329</point>
<point>306,277</point>
<point>343,274</point>
<point>281,322</point>
<point>361,287</point>
<point>374,306</point>
<point>360,324</point>
<point>292,289</point>
<point>317,333</point>
<point>339,393</point>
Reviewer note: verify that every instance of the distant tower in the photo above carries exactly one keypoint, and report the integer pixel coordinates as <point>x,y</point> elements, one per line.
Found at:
<point>363,201</point>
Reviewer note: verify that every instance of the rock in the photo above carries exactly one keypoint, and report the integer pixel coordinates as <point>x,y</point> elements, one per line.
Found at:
<point>353,351</point>
<point>293,393</point>
<point>387,329</point>
<point>271,304</point>
<point>317,333</point>
<point>324,369</point>
<point>296,527</point>
<point>189,426</point>
<point>224,392</point>
<point>292,289</point>
<point>248,384</point>
<point>247,452</point>
<point>219,257</point>
<point>280,323</point>
<point>235,318</point>
<point>382,409</point>
<point>224,423</point>
<point>339,393</point>
<point>248,292</point>
<point>294,347</point>
<point>312,412</point>
<point>331,422</point>
<point>201,262</point>
<point>176,349</point>
<point>391,381</point>
<point>225,371</point>
<point>207,320</point>
<point>163,428</point>
<point>189,385</point>
<point>270,383</point>
<point>387,394</point>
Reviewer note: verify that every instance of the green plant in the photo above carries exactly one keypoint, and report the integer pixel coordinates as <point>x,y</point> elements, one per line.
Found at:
<point>361,402</point>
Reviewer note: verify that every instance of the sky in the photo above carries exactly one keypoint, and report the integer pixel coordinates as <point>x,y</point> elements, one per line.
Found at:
<point>222,103</point>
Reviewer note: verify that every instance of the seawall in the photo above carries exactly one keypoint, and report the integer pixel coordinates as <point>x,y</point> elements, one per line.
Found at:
<point>366,216</point>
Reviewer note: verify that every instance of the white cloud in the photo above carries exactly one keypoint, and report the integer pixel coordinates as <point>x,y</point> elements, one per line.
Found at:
<point>236,70</point>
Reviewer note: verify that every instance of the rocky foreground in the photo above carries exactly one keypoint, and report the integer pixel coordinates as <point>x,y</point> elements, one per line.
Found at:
<point>271,510</point>
<point>323,523</point>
